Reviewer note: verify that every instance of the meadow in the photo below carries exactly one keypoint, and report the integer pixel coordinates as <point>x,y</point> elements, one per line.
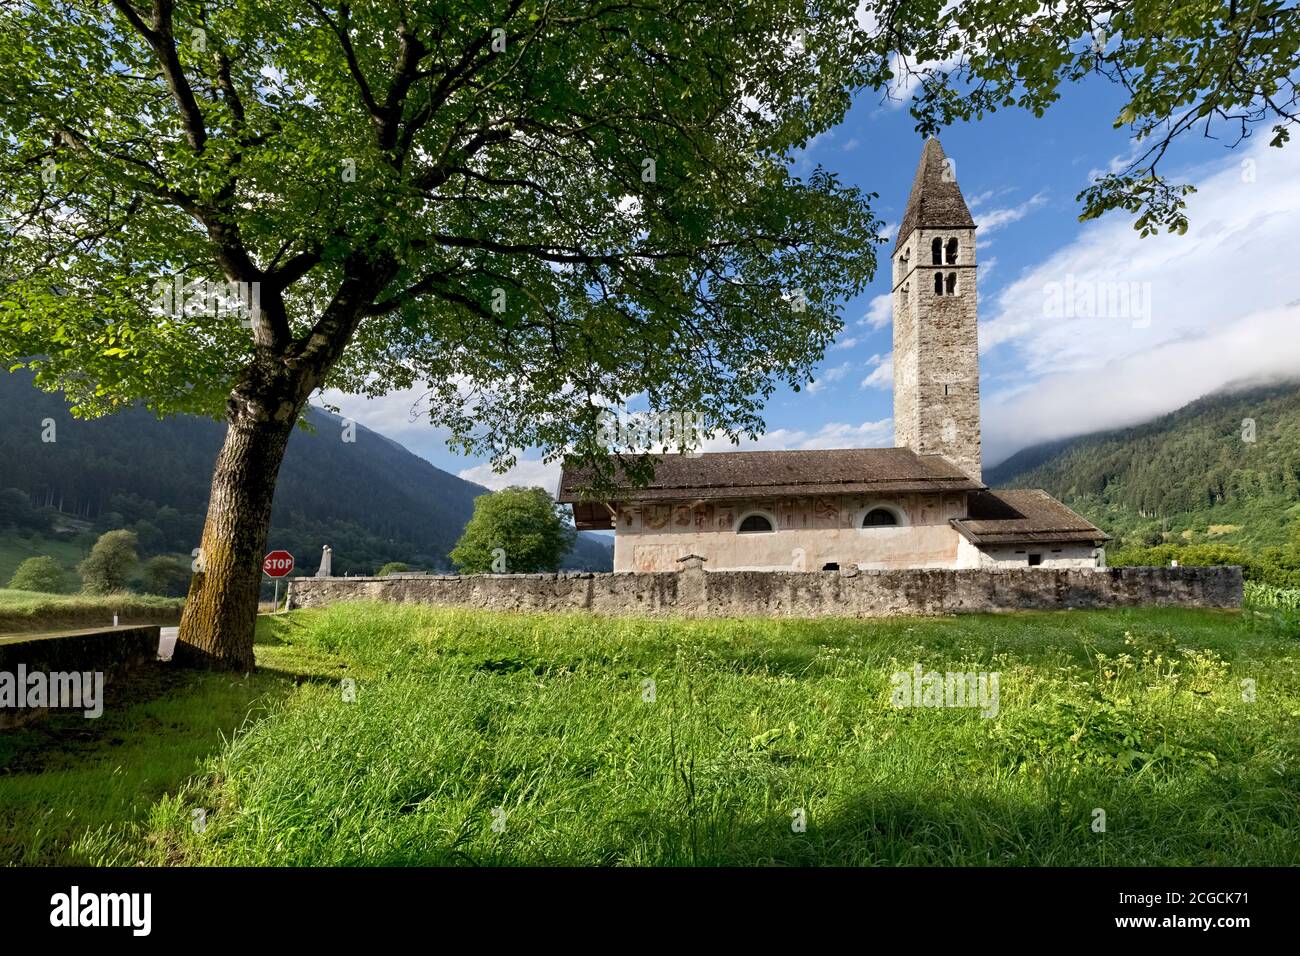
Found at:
<point>24,611</point>
<point>389,734</point>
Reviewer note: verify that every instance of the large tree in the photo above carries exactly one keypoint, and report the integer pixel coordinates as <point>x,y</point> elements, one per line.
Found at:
<point>537,208</point>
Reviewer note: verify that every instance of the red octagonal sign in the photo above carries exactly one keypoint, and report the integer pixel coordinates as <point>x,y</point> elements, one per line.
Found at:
<point>278,563</point>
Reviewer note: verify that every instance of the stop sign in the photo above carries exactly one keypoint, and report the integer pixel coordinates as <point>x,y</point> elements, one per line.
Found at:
<point>278,563</point>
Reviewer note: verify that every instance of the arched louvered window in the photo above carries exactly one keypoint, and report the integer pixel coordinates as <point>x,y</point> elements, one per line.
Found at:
<point>936,251</point>
<point>951,252</point>
<point>938,283</point>
<point>952,283</point>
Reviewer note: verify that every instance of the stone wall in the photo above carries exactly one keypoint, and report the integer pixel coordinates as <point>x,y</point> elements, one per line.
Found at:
<point>694,592</point>
<point>114,651</point>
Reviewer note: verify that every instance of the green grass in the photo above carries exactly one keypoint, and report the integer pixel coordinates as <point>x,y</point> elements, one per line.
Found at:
<point>32,611</point>
<point>1139,713</point>
<point>14,550</point>
<point>67,776</point>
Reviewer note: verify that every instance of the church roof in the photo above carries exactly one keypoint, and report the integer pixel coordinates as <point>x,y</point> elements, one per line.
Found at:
<point>773,474</point>
<point>1025,516</point>
<point>936,201</point>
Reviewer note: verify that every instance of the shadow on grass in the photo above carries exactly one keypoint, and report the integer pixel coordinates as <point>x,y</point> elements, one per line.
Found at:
<point>66,775</point>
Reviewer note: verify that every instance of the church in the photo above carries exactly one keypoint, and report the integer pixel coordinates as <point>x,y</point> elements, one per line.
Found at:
<point>922,504</point>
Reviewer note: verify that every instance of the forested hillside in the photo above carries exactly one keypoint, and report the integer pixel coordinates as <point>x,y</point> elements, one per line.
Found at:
<point>1194,476</point>
<point>370,499</point>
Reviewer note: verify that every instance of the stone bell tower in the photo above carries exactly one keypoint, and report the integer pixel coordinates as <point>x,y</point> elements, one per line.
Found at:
<point>936,346</point>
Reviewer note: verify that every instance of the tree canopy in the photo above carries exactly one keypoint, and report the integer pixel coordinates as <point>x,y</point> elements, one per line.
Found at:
<point>514,530</point>
<point>41,573</point>
<point>1219,68</point>
<point>532,211</point>
<point>109,565</point>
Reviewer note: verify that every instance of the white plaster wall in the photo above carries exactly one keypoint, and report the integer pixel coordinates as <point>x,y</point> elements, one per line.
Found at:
<point>1017,555</point>
<point>810,533</point>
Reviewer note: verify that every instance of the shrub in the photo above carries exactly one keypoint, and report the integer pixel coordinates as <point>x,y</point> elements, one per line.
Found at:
<point>392,567</point>
<point>166,576</point>
<point>109,566</point>
<point>42,574</point>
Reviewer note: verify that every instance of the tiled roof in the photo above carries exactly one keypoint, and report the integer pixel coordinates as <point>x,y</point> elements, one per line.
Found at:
<point>1023,516</point>
<point>747,474</point>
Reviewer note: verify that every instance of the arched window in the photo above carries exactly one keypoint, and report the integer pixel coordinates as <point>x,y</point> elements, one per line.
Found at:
<point>938,283</point>
<point>879,518</point>
<point>952,251</point>
<point>952,283</point>
<point>936,251</point>
<point>755,524</point>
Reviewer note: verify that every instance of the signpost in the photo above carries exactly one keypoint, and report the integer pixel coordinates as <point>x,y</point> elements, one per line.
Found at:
<point>276,565</point>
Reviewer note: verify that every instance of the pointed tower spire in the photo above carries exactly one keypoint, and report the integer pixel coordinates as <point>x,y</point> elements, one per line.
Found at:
<point>936,342</point>
<point>936,201</point>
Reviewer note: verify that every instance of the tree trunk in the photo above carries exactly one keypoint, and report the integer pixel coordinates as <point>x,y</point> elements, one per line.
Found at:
<point>221,609</point>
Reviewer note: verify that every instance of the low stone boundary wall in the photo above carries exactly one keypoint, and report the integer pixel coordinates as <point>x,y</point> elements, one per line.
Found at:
<point>113,651</point>
<point>694,592</point>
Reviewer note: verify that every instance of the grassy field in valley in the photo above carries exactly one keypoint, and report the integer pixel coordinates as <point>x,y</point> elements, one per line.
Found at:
<point>15,549</point>
<point>488,738</point>
<point>33,611</point>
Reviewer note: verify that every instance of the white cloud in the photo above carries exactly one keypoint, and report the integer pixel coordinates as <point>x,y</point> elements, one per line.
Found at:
<point>833,435</point>
<point>845,343</point>
<point>879,312</point>
<point>401,415</point>
<point>1215,306</point>
<point>908,75</point>
<point>528,472</point>
<point>882,376</point>
<point>829,375</point>
<point>1004,216</point>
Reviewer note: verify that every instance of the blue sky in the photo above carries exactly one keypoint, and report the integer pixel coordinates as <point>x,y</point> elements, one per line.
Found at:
<point>1216,306</point>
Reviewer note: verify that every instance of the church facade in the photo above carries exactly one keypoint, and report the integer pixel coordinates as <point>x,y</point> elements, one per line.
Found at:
<point>922,504</point>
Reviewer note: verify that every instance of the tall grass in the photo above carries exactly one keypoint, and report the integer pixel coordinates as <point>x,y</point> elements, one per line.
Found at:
<point>23,611</point>
<point>482,738</point>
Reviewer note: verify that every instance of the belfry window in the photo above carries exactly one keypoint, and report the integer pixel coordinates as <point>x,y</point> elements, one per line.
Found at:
<point>754,524</point>
<point>952,283</point>
<point>936,251</point>
<point>938,283</point>
<point>951,252</point>
<point>879,518</point>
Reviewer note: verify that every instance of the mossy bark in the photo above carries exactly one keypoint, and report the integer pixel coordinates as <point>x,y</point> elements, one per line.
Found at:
<point>221,609</point>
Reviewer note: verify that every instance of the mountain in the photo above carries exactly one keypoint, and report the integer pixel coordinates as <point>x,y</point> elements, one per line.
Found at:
<point>370,499</point>
<point>1193,475</point>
